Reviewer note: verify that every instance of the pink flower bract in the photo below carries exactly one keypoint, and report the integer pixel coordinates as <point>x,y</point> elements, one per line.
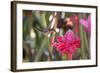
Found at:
<point>86,23</point>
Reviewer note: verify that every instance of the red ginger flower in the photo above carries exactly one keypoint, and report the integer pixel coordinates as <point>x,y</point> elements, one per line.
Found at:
<point>67,44</point>
<point>75,20</point>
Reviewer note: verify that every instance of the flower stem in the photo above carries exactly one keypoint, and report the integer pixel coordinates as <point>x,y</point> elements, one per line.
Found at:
<point>50,47</point>
<point>64,57</point>
<point>86,44</point>
<point>69,56</point>
<point>81,28</point>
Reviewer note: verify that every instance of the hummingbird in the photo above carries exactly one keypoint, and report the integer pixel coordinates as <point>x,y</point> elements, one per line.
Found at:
<point>45,31</point>
<point>49,29</point>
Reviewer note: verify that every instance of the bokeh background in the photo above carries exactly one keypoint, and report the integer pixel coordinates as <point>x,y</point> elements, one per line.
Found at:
<point>40,27</point>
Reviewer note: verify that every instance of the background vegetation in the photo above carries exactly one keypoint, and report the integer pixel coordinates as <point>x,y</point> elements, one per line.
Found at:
<point>40,27</point>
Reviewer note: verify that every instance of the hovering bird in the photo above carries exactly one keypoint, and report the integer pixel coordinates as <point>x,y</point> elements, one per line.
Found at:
<point>50,28</point>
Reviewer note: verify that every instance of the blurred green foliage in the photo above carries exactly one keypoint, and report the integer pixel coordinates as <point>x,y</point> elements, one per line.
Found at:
<point>37,42</point>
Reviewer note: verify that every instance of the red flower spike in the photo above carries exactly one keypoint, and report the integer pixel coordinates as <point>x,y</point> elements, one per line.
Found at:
<point>69,56</point>
<point>75,19</point>
<point>67,44</point>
